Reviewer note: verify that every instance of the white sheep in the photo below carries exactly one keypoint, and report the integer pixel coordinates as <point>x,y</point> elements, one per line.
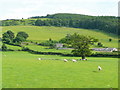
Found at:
<point>74,60</point>
<point>65,60</point>
<point>99,68</point>
<point>83,59</point>
<point>39,59</point>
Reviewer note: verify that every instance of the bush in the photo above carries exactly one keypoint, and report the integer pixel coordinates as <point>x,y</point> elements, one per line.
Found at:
<point>110,40</point>
<point>48,43</point>
<point>106,54</point>
<point>25,49</point>
<point>100,44</point>
<point>4,47</point>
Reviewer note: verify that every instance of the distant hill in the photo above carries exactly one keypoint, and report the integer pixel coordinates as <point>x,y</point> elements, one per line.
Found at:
<point>61,15</point>
<point>69,15</point>
<point>107,24</point>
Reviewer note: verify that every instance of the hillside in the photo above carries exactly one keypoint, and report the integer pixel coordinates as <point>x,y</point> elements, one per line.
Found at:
<point>42,33</point>
<point>107,24</point>
<point>22,69</point>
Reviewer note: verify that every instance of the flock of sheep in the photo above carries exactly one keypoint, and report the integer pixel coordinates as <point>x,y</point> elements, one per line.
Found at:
<point>73,60</point>
<point>65,60</point>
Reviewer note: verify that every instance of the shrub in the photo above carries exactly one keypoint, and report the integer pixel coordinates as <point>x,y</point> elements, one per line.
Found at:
<point>4,47</point>
<point>100,44</point>
<point>25,49</point>
<point>106,54</point>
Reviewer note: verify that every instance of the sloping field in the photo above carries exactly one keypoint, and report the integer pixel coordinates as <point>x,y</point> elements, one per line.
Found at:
<point>41,33</point>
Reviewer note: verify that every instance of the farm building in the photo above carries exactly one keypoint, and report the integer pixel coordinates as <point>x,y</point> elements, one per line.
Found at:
<point>61,46</point>
<point>58,45</point>
<point>105,49</point>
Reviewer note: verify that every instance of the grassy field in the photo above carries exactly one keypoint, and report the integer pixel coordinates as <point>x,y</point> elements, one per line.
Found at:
<point>23,70</point>
<point>42,33</point>
<point>13,47</point>
<point>46,49</point>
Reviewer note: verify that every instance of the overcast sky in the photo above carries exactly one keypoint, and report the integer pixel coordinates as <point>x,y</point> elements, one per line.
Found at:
<point>17,9</point>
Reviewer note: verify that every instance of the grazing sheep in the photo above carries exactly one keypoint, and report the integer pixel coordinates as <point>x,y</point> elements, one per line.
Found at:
<point>65,60</point>
<point>99,68</point>
<point>39,59</point>
<point>74,60</point>
<point>83,59</point>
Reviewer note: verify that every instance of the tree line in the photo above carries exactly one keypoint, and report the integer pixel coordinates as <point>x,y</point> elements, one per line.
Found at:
<point>107,24</point>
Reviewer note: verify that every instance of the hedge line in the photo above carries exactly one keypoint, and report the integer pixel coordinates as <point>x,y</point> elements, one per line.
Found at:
<point>101,54</point>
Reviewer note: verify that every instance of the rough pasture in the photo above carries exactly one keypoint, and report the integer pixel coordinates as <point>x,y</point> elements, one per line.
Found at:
<point>22,70</point>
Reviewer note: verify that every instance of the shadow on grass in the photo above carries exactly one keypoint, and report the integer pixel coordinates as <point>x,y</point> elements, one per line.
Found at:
<point>95,71</point>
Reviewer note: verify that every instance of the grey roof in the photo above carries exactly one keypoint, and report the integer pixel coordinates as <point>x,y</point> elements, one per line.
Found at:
<point>59,45</point>
<point>104,49</point>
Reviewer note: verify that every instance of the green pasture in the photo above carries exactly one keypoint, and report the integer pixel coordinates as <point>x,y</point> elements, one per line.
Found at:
<point>46,49</point>
<point>13,47</point>
<point>42,33</point>
<point>41,48</point>
<point>23,70</point>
